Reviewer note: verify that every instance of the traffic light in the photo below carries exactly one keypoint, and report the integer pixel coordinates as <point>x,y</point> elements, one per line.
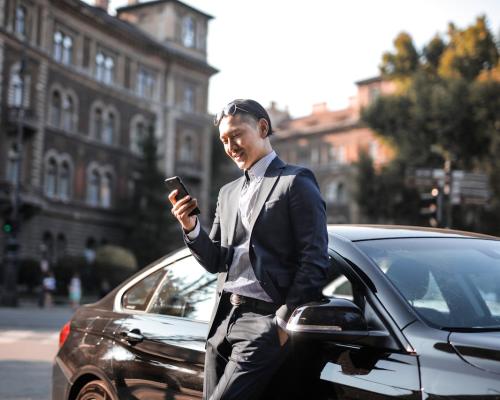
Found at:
<point>431,206</point>
<point>7,227</point>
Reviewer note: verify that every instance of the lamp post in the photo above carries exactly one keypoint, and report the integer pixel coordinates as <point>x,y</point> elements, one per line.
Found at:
<point>11,258</point>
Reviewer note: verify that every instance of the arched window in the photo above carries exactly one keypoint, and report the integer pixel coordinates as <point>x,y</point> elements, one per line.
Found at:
<point>56,106</point>
<point>98,123</point>
<point>61,245</point>
<point>64,181</point>
<point>51,177</point>
<point>109,129</point>
<point>21,20</point>
<point>58,40</point>
<point>68,113</point>
<point>13,163</point>
<point>93,188</point>
<point>106,185</point>
<point>187,149</point>
<point>138,135</point>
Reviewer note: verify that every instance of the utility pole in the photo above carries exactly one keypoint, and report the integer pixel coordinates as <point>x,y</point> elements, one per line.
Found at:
<point>447,156</point>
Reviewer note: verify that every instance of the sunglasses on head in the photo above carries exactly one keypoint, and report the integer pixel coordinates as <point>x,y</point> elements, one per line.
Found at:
<point>230,109</point>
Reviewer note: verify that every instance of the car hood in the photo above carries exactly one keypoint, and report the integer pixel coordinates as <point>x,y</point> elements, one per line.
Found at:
<point>480,349</point>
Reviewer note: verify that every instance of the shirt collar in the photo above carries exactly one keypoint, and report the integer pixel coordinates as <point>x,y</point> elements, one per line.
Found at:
<point>260,167</point>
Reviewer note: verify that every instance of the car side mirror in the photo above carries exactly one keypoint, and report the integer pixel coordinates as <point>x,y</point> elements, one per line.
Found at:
<point>337,320</point>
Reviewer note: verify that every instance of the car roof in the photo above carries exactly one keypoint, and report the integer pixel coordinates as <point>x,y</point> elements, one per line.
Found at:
<point>372,232</point>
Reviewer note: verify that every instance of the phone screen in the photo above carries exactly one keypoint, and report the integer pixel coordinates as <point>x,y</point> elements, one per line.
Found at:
<point>176,183</point>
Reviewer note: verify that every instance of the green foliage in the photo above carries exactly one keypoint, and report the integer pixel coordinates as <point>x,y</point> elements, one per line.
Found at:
<point>469,51</point>
<point>404,61</point>
<point>154,232</point>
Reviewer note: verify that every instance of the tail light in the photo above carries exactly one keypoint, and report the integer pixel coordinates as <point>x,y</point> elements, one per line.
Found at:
<point>63,334</point>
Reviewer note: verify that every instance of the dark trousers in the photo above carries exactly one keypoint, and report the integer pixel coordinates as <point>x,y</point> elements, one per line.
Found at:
<point>242,355</point>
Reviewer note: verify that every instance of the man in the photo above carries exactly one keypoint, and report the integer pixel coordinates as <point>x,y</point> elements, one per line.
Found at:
<point>268,245</point>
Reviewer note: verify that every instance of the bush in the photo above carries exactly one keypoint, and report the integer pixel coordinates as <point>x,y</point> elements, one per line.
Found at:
<point>114,264</point>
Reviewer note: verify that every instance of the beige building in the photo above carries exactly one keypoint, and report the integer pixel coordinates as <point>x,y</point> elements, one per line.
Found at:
<point>329,143</point>
<point>90,85</point>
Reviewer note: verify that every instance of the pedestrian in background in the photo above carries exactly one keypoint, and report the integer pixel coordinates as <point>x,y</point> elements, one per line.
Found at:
<point>49,287</point>
<point>75,290</point>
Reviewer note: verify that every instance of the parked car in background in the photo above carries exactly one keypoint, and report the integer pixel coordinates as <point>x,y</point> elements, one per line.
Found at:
<point>409,313</point>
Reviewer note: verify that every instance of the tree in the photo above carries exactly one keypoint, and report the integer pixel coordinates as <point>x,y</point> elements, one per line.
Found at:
<point>446,106</point>
<point>154,232</point>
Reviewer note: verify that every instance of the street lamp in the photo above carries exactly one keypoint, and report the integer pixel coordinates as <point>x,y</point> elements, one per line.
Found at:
<point>11,223</point>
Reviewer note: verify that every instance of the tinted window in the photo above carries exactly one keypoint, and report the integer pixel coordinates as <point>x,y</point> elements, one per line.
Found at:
<point>451,283</point>
<point>138,296</point>
<point>187,290</point>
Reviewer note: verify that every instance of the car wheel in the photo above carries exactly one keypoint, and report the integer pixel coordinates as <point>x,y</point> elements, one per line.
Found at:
<point>95,390</point>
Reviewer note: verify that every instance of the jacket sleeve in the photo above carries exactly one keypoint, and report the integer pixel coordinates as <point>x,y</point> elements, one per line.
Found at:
<point>206,248</point>
<point>308,221</point>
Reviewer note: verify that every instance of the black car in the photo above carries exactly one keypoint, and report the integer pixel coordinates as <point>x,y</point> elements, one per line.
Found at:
<point>409,313</point>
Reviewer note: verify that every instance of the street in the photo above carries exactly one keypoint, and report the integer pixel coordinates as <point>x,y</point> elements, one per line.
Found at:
<point>28,343</point>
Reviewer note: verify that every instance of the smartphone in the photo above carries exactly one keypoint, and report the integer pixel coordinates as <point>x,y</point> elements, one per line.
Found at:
<point>176,183</point>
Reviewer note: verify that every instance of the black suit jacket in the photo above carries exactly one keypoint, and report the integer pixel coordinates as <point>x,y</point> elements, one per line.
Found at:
<point>288,237</point>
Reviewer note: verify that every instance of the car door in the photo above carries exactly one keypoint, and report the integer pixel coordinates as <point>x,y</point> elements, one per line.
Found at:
<point>351,371</point>
<point>164,343</point>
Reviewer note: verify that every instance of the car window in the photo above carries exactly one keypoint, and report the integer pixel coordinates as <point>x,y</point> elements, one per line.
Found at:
<point>450,282</point>
<point>187,290</point>
<point>138,296</point>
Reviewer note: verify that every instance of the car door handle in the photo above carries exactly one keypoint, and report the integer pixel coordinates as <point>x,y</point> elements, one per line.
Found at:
<point>133,336</point>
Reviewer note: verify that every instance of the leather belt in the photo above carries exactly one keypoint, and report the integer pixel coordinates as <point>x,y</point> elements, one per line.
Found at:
<point>238,300</point>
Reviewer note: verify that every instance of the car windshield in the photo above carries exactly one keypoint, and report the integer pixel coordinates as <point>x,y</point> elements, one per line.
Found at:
<point>452,283</point>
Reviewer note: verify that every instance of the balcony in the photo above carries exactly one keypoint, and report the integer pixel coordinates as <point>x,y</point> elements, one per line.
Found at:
<point>29,120</point>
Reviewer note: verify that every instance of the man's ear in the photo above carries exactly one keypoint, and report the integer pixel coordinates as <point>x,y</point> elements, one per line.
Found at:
<point>263,128</point>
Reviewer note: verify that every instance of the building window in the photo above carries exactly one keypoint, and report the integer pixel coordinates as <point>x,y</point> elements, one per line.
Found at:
<point>188,100</point>
<point>188,32</point>
<point>109,129</point>
<point>13,164</point>
<point>56,106</point>
<point>315,155</point>
<point>68,113</point>
<point>93,188</point>
<point>137,138</point>
<point>187,149</point>
<point>98,123</point>
<point>21,20</point>
<point>16,89</point>
<point>105,66</point>
<point>67,54</point>
<point>145,83</point>
<point>64,181</point>
<point>106,185</point>
<point>51,178</point>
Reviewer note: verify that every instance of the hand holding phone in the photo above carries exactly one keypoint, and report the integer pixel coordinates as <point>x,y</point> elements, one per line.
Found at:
<point>181,204</point>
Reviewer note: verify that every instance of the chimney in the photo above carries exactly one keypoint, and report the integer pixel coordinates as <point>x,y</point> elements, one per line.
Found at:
<point>104,4</point>
<point>319,108</point>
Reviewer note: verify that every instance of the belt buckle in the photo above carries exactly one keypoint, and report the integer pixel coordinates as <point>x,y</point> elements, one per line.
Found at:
<point>236,300</point>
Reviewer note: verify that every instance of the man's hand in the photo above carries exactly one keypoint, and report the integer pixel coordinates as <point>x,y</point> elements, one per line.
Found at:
<point>283,336</point>
<point>181,210</point>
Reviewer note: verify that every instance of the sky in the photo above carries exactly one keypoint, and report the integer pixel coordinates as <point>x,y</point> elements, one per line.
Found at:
<point>300,53</point>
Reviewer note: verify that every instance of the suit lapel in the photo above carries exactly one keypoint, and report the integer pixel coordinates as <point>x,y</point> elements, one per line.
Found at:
<point>271,176</point>
<point>233,203</point>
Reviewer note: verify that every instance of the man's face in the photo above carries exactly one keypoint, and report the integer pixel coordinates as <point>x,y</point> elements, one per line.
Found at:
<point>244,140</point>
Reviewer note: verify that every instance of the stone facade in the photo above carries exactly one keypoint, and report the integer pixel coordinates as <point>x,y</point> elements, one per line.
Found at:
<point>92,85</point>
<point>329,143</point>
